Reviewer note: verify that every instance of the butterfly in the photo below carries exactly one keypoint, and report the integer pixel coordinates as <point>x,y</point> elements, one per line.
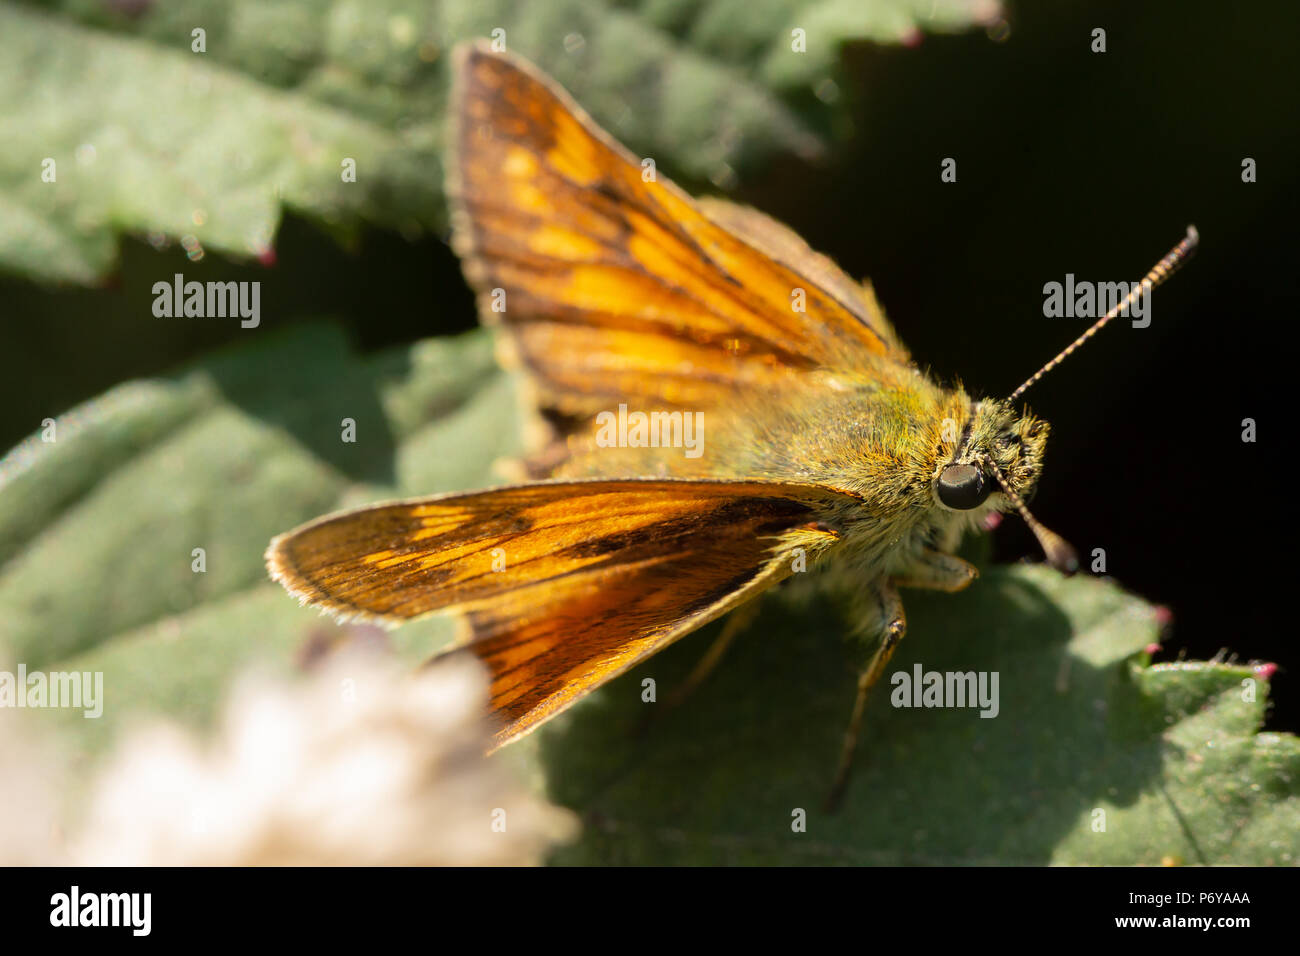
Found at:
<point>640,317</point>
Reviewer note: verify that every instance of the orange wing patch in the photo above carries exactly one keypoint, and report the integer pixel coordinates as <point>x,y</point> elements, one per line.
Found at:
<point>564,584</point>
<point>616,289</point>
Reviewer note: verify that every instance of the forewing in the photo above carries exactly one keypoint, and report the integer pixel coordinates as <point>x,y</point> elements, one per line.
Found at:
<point>618,289</point>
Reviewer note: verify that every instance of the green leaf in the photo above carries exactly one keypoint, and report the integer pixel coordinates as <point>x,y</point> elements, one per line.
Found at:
<point>1168,757</point>
<point>150,137</point>
<point>147,137</point>
<point>98,526</point>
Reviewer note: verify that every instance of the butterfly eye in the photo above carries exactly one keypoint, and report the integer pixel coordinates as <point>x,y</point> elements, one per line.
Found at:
<point>963,487</point>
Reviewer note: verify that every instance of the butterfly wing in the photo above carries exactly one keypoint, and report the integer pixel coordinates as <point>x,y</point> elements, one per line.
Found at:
<point>783,245</point>
<point>614,288</point>
<point>564,585</point>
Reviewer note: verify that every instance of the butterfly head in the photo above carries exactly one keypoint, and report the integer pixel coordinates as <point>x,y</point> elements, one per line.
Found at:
<point>996,440</point>
<point>1000,453</point>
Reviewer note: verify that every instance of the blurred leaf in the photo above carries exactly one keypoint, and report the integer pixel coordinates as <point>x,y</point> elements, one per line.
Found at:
<point>97,528</point>
<point>150,137</point>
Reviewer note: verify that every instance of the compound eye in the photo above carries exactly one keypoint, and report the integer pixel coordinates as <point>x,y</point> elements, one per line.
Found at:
<point>963,487</point>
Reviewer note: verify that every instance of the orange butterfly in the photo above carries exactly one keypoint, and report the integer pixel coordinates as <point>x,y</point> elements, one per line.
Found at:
<point>615,290</point>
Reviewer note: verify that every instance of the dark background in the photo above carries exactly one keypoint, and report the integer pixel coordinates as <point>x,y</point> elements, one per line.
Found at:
<point>1067,161</point>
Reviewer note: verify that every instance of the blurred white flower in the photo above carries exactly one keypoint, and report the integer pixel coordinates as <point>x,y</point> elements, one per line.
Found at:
<point>30,792</point>
<point>362,763</point>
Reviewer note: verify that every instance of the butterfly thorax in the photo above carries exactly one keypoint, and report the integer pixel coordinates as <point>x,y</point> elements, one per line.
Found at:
<point>884,440</point>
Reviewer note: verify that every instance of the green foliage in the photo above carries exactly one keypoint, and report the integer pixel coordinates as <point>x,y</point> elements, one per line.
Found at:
<point>150,137</point>
<point>1170,753</point>
<point>97,528</point>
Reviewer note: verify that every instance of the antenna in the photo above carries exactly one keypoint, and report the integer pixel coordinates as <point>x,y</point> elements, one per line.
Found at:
<point>1161,271</point>
<point>1060,553</point>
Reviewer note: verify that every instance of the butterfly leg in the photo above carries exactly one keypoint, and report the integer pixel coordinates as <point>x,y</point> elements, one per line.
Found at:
<point>733,625</point>
<point>895,626</point>
<point>937,571</point>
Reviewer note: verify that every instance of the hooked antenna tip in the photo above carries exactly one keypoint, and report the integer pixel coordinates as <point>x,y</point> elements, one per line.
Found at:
<point>1060,553</point>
